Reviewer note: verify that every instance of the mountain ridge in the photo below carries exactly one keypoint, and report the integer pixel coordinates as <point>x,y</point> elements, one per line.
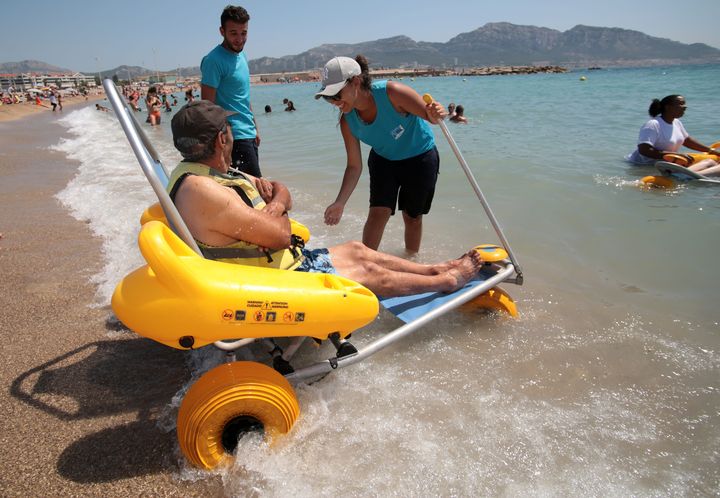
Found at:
<point>498,43</point>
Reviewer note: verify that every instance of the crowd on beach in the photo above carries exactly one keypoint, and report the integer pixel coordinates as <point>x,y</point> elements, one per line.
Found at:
<point>50,97</point>
<point>16,103</point>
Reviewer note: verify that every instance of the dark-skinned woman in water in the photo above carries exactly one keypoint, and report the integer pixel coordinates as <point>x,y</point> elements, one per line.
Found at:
<point>664,134</point>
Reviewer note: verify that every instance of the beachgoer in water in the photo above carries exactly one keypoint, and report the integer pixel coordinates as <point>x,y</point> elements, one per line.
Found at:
<point>459,116</point>
<point>226,81</point>
<point>99,107</point>
<point>133,100</point>
<point>53,100</point>
<point>268,108</point>
<point>203,137</point>
<point>403,162</point>
<point>59,100</point>
<point>451,110</point>
<point>189,95</point>
<point>664,134</point>
<point>153,107</point>
<point>290,106</point>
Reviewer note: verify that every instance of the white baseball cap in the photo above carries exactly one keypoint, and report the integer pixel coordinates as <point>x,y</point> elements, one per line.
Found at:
<point>336,74</point>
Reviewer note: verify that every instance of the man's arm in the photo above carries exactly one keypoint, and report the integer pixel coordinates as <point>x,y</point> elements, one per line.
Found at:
<point>276,195</point>
<point>207,93</point>
<point>217,216</point>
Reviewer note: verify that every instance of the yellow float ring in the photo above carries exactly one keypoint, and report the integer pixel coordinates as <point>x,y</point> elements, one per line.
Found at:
<point>491,253</point>
<point>233,394</point>
<point>676,159</point>
<point>494,299</point>
<point>704,155</point>
<point>658,181</point>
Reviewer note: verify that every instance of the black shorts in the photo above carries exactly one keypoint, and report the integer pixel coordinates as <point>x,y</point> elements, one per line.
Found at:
<point>409,183</point>
<point>245,156</point>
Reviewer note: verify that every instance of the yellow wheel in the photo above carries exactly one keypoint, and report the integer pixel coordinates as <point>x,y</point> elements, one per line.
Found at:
<point>658,181</point>
<point>228,400</point>
<point>494,299</point>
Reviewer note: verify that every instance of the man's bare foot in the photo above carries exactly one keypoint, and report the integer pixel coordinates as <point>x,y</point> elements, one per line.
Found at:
<point>466,268</point>
<point>448,265</point>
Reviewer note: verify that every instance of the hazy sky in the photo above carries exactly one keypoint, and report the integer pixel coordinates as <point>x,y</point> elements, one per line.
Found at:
<point>90,35</point>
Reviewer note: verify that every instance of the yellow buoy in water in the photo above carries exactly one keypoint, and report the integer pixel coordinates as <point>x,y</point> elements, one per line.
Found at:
<point>658,181</point>
<point>583,78</point>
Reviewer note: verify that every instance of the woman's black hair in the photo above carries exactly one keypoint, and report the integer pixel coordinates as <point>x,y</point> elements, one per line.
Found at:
<point>657,107</point>
<point>365,79</point>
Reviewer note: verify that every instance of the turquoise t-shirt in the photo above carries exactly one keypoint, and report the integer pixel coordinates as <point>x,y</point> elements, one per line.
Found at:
<point>392,135</point>
<point>228,73</point>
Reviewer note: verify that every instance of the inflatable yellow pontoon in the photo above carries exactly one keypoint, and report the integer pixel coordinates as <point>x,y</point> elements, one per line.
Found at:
<point>668,170</point>
<point>185,301</point>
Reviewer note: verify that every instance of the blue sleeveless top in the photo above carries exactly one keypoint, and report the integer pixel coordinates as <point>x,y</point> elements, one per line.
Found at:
<point>392,135</point>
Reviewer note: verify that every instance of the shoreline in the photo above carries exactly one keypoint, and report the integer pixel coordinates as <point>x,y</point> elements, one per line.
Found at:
<point>80,418</point>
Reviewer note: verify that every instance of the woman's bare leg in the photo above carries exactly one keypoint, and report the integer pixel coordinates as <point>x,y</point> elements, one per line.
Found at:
<point>375,226</point>
<point>702,166</point>
<point>413,233</point>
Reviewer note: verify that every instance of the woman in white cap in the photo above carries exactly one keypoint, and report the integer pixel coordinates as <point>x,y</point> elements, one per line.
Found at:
<point>393,119</point>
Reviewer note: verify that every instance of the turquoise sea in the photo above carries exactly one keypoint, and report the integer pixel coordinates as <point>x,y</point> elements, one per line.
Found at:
<point>607,384</point>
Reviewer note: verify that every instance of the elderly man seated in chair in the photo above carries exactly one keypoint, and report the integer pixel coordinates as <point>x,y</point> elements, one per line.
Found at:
<point>244,219</point>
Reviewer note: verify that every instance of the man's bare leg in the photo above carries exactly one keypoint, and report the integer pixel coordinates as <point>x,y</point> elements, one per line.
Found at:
<point>396,282</point>
<point>356,251</point>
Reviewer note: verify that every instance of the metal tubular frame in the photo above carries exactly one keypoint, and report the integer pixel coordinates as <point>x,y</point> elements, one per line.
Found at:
<point>486,206</point>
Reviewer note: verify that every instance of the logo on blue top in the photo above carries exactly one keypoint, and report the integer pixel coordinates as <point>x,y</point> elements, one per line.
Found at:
<point>397,132</point>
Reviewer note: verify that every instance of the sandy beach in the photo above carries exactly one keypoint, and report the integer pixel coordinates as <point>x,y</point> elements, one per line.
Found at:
<point>10,112</point>
<point>79,415</point>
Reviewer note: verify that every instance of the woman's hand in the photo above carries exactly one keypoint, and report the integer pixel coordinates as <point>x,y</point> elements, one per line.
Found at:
<point>334,213</point>
<point>435,112</point>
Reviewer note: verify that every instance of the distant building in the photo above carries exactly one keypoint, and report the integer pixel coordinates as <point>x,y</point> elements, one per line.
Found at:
<point>25,81</point>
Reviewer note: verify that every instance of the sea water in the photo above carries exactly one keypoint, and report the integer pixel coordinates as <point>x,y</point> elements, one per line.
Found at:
<point>606,384</point>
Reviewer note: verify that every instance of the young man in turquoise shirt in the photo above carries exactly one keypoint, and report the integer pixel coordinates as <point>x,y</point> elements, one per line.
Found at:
<point>226,82</point>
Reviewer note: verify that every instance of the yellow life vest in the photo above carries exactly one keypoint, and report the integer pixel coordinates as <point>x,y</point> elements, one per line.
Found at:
<point>240,252</point>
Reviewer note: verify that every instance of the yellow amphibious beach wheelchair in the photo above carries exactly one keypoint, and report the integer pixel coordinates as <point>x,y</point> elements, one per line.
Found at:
<point>676,167</point>
<point>185,301</point>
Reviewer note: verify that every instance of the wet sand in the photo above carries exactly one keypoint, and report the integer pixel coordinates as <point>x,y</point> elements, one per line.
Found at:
<point>80,401</point>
